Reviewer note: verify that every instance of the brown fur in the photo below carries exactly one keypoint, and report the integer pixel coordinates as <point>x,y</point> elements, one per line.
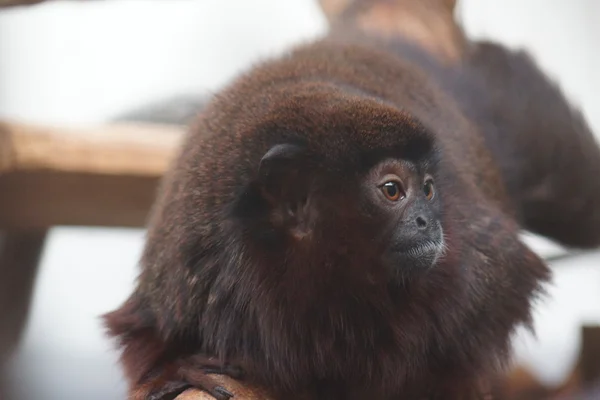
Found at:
<point>319,315</point>
<point>549,158</point>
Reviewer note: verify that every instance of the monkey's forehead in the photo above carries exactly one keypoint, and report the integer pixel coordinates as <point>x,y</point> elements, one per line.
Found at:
<point>340,102</point>
<point>332,120</point>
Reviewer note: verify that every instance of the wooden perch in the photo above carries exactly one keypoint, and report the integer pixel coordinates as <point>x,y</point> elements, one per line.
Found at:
<point>428,23</point>
<point>106,176</point>
<point>121,149</point>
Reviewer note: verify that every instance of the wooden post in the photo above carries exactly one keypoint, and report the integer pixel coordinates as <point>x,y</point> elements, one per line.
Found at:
<point>589,361</point>
<point>20,253</point>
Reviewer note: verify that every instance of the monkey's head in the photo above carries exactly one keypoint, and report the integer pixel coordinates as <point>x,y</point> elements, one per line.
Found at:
<point>344,186</point>
<point>306,202</point>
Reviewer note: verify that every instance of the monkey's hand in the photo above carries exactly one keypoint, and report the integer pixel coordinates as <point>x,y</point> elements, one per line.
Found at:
<point>194,372</point>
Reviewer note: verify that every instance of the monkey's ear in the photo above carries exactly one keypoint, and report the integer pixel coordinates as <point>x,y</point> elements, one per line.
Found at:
<point>283,173</point>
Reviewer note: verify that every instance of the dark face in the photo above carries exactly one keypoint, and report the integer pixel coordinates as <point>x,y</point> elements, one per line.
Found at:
<point>405,201</point>
<point>399,210</point>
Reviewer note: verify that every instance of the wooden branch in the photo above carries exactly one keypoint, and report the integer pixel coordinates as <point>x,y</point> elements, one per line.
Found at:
<point>428,23</point>
<point>105,176</point>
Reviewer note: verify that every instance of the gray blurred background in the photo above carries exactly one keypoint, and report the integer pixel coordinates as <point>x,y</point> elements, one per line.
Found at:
<point>89,61</point>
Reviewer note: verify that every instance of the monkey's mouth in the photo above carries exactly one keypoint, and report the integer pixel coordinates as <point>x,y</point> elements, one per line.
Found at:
<point>423,255</point>
<point>428,249</point>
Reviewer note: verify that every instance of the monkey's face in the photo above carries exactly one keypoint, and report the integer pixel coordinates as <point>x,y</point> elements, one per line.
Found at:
<point>384,215</point>
<point>405,203</point>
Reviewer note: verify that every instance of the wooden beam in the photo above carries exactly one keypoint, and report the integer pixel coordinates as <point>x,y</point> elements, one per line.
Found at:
<point>9,3</point>
<point>106,176</point>
<point>590,355</point>
<point>119,149</point>
<point>13,3</point>
<point>44,199</point>
<point>20,253</point>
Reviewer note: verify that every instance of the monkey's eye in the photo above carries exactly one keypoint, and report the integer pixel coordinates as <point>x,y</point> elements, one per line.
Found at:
<point>428,189</point>
<point>392,191</point>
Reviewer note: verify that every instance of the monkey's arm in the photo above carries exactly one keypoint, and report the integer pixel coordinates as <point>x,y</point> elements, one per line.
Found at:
<point>159,371</point>
<point>548,155</point>
<point>239,389</point>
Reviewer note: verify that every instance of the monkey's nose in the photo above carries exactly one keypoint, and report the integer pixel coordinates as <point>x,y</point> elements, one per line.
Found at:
<point>421,222</point>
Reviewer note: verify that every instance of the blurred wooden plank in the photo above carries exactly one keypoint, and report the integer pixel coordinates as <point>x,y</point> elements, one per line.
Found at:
<point>44,199</point>
<point>333,9</point>
<point>9,3</point>
<point>428,23</point>
<point>118,149</point>
<point>106,176</point>
<point>12,3</point>
<point>589,362</point>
